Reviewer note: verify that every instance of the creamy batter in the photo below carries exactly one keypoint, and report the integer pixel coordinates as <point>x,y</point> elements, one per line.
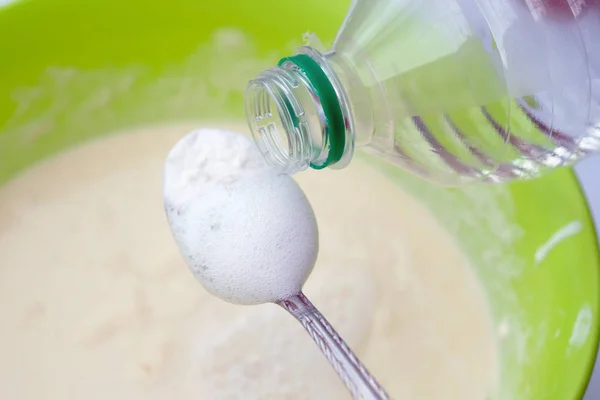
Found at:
<point>96,301</point>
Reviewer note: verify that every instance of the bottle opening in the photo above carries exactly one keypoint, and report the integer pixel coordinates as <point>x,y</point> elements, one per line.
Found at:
<point>274,122</point>
<point>296,117</point>
<point>266,124</point>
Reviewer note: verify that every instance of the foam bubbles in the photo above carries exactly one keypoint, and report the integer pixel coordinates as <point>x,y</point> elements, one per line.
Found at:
<point>248,234</point>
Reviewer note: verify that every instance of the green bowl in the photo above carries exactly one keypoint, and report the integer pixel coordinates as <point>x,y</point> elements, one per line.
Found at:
<point>72,70</point>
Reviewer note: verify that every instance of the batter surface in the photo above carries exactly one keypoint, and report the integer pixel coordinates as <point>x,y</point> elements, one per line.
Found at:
<point>96,301</point>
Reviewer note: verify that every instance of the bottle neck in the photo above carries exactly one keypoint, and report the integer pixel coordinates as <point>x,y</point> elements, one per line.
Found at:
<point>300,114</point>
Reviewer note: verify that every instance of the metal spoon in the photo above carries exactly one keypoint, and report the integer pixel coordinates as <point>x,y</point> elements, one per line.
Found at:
<point>356,377</point>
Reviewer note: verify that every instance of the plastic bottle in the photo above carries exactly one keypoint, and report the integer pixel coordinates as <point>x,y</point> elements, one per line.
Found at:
<point>453,90</point>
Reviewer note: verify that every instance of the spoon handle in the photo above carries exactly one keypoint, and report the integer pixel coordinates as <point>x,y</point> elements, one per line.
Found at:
<point>353,373</point>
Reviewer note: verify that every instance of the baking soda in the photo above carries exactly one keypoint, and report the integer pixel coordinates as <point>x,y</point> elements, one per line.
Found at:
<point>248,233</point>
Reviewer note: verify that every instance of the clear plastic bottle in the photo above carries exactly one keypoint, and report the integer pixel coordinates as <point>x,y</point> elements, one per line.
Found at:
<point>454,90</point>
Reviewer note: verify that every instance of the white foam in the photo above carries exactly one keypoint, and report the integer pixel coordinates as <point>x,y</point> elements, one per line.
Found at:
<point>248,234</point>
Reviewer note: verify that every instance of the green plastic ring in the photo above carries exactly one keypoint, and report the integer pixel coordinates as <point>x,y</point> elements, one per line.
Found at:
<point>334,119</point>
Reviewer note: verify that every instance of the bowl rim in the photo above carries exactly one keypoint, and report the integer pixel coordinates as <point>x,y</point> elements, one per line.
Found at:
<point>587,174</point>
